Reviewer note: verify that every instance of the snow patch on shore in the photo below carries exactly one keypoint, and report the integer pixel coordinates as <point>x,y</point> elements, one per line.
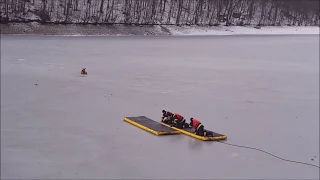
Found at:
<point>242,30</point>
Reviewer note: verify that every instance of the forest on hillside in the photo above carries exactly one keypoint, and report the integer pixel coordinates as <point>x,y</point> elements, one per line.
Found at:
<point>169,12</point>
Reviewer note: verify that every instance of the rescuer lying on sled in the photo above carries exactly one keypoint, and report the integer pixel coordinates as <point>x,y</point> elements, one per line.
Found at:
<point>199,128</point>
<point>179,121</point>
<point>167,117</point>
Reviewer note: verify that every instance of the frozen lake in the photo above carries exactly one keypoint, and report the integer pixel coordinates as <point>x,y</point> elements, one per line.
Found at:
<point>261,91</point>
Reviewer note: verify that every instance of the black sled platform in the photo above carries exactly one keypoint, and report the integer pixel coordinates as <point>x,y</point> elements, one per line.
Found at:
<point>189,132</point>
<point>150,125</point>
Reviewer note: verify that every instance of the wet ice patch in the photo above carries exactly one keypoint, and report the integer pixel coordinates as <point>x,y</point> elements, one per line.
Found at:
<point>249,101</point>
<point>243,158</point>
<point>167,91</point>
<point>234,155</point>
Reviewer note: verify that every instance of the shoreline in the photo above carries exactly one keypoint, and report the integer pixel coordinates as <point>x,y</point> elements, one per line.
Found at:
<point>149,30</point>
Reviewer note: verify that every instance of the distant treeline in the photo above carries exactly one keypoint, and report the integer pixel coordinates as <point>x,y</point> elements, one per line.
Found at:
<point>173,12</point>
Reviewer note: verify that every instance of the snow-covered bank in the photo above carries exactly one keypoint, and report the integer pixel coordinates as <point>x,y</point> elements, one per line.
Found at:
<point>72,29</point>
<point>238,30</point>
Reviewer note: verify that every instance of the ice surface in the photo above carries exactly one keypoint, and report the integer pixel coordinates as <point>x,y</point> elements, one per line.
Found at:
<point>261,91</point>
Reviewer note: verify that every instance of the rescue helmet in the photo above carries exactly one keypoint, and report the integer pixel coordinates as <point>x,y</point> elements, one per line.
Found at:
<point>163,111</point>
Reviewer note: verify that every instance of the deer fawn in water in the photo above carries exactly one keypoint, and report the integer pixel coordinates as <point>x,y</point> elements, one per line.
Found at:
<point>84,71</point>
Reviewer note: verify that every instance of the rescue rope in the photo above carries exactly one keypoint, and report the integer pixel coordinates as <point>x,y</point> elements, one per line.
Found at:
<point>269,154</point>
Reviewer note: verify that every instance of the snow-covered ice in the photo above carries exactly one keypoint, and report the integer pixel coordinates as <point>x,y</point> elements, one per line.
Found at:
<point>261,91</point>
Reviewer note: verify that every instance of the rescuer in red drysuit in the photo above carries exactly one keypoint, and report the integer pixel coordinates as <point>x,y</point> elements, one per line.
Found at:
<point>167,117</point>
<point>199,128</point>
<point>179,121</point>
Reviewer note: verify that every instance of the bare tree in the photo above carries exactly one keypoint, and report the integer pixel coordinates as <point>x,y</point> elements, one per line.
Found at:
<point>200,12</point>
